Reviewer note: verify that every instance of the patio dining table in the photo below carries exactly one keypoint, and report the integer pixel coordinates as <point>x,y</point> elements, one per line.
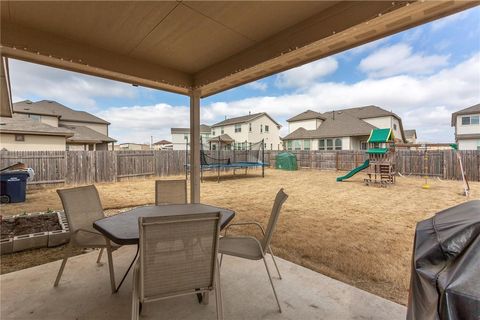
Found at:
<point>123,228</point>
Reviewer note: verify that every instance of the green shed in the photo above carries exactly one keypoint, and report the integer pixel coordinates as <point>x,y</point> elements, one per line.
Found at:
<point>286,161</point>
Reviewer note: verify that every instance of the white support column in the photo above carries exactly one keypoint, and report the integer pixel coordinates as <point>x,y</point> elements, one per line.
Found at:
<point>195,146</point>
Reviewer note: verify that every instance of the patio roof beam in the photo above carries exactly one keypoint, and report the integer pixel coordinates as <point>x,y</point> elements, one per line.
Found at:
<point>40,47</point>
<point>6,93</point>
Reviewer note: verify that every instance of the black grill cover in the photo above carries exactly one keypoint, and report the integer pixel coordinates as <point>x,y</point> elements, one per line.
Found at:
<point>445,279</point>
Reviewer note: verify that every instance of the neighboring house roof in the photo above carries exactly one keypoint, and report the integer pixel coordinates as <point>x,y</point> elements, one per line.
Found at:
<point>244,119</point>
<point>358,113</point>
<point>53,108</point>
<point>343,125</point>
<point>203,129</point>
<point>469,110</point>
<point>221,138</point>
<point>409,134</point>
<point>468,136</point>
<point>307,115</point>
<point>19,125</point>
<point>161,142</point>
<point>82,134</point>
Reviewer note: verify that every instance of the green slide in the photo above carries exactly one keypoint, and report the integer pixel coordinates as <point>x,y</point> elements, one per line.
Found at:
<point>354,171</point>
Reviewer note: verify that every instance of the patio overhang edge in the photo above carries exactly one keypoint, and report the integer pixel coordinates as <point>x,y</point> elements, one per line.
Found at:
<point>408,16</point>
<point>35,46</point>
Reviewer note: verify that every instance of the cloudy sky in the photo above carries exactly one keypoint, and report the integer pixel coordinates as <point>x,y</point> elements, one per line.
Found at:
<point>423,74</point>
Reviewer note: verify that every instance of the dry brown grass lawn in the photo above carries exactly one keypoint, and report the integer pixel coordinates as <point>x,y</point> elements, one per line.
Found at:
<point>357,234</point>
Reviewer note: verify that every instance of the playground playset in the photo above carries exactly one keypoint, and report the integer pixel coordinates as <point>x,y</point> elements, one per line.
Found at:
<point>380,165</point>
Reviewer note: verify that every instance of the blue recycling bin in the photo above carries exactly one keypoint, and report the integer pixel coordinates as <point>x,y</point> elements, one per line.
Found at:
<point>13,185</point>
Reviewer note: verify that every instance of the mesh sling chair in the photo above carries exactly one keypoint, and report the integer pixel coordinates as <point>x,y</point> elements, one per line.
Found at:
<point>82,207</point>
<point>178,256</point>
<point>251,248</point>
<point>170,191</point>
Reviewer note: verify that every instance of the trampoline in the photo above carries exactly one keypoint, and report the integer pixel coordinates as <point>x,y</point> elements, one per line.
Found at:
<point>224,160</point>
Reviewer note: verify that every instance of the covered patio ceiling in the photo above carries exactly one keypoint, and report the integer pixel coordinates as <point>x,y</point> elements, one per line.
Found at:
<point>180,46</point>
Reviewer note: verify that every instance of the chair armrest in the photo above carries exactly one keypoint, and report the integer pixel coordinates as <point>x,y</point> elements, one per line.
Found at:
<point>246,237</point>
<point>244,224</point>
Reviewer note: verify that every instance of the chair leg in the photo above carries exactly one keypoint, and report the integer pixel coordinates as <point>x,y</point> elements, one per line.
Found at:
<point>218,294</point>
<point>59,275</point>
<point>275,262</point>
<point>135,302</point>
<point>99,256</point>
<point>62,266</point>
<point>271,282</point>
<point>221,259</point>
<point>110,265</point>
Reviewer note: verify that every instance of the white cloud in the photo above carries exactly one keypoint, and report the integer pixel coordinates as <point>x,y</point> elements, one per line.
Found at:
<point>74,89</point>
<point>305,75</point>
<point>257,85</point>
<point>399,59</point>
<point>138,123</point>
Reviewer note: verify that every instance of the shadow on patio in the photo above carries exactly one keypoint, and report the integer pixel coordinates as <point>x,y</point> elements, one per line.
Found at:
<point>84,293</point>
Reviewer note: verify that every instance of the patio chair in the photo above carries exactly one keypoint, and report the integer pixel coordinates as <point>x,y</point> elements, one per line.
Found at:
<point>186,267</point>
<point>82,207</point>
<point>250,247</point>
<point>170,191</point>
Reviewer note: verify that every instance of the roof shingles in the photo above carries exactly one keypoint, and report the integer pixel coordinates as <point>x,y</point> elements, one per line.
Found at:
<point>55,109</point>
<point>341,123</point>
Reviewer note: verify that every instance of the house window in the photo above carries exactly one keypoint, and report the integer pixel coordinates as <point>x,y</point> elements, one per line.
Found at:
<point>321,144</point>
<point>465,121</point>
<point>289,145</point>
<point>474,120</point>
<point>394,126</point>
<point>238,128</point>
<point>213,133</point>
<point>249,127</point>
<point>221,130</point>
<point>338,144</point>
<point>266,128</point>
<point>297,145</point>
<point>363,145</point>
<point>329,144</point>
<point>306,145</point>
<point>271,146</point>
<point>35,117</point>
<point>19,137</point>
<point>261,128</point>
<point>185,137</point>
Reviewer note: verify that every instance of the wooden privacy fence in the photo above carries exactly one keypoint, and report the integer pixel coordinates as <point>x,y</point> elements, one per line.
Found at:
<point>84,167</point>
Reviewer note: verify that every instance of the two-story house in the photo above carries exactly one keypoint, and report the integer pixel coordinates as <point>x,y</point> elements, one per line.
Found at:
<point>240,132</point>
<point>467,128</point>
<point>411,136</point>
<point>181,137</point>
<point>346,129</point>
<point>88,132</point>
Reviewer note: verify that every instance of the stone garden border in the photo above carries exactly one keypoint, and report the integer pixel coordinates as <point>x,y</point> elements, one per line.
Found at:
<point>39,239</point>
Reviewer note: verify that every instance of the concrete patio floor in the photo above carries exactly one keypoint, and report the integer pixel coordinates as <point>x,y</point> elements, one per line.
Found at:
<point>84,293</point>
